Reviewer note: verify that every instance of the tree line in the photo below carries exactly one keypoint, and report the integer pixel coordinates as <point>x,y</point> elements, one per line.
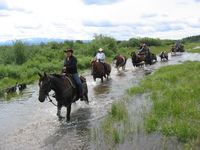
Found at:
<point>22,61</point>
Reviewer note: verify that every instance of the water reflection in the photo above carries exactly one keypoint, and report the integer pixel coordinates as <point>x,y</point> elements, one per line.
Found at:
<point>103,88</point>
<point>71,134</point>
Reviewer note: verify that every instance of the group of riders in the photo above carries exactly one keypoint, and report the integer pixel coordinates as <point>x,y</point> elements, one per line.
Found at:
<point>70,67</point>
<point>70,64</point>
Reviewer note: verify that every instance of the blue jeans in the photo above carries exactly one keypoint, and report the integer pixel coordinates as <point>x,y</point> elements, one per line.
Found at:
<point>78,81</point>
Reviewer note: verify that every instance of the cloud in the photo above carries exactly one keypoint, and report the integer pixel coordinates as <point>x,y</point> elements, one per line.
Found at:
<point>3,15</point>
<point>99,2</point>
<point>98,24</point>
<point>80,19</point>
<point>3,5</point>
<point>149,15</point>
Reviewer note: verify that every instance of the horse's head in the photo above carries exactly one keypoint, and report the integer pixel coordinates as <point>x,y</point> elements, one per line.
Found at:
<point>134,55</point>
<point>44,85</point>
<point>93,63</point>
<point>115,59</point>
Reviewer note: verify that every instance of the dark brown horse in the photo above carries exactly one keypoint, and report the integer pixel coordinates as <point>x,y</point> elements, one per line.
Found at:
<point>99,71</point>
<point>120,61</point>
<point>65,89</point>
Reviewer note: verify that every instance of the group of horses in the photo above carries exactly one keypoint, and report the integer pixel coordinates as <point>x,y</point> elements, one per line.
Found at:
<point>143,58</point>
<point>175,49</point>
<point>66,91</point>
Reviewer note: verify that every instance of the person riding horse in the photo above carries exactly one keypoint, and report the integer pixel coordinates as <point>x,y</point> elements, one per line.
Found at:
<point>145,48</point>
<point>70,67</point>
<point>100,56</point>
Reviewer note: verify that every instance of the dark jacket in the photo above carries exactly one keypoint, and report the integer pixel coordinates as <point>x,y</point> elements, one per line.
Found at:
<point>71,65</point>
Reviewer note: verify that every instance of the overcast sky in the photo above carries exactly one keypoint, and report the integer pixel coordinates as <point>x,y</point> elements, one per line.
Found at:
<point>81,19</point>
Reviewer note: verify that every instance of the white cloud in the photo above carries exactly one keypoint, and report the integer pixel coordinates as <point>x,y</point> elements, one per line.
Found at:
<point>121,19</point>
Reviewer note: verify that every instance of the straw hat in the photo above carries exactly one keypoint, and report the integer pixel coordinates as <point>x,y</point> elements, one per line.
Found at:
<point>100,50</point>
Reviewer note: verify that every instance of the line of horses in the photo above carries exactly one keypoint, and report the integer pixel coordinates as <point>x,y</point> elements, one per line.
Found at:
<point>66,91</point>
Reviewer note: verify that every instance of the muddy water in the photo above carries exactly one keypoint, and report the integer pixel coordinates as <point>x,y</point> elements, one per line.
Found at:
<point>25,123</point>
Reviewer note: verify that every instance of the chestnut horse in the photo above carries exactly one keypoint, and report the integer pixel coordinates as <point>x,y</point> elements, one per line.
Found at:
<point>98,70</point>
<point>173,50</point>
<point>65,90</point>
<point>120,61</point>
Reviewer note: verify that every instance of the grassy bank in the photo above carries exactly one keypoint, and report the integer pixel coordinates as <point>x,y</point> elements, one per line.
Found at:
<point>27,72</point>
<point>114,129</point>
<point>176,98</point>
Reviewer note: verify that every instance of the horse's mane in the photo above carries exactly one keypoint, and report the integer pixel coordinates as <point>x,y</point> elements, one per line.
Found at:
<point>57,75</point>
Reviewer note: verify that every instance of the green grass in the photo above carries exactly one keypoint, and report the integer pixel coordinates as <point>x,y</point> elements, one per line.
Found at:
<point>176,101</point>
<point>194,50</point>
<point>115,128</point>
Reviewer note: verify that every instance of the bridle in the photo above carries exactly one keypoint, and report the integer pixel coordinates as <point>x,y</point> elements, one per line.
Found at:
<point>47,92</point>
<point>52,87</point>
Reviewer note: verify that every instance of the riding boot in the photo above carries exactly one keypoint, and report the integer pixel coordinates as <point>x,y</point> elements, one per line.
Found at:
<point>82,96</point>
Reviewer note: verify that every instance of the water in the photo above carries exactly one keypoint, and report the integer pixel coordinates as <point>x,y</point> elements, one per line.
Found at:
<point>25,123</point>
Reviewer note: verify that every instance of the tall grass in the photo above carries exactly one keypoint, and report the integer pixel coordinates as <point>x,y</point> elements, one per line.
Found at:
<point>176,98</point>
<point>115,128</point>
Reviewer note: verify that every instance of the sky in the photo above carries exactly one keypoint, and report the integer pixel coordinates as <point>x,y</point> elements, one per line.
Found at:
<point>81,19</point>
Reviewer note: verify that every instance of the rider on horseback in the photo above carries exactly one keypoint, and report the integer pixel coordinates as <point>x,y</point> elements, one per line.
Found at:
<point>145,48</point>
<point>100,56</point>
<point>70,67</point>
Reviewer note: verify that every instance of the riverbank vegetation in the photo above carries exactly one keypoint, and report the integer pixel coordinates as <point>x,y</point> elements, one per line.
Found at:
<point>21,61</point>
<point>176,98</point>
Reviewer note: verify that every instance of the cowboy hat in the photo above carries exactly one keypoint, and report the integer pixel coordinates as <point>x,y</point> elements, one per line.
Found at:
<point>68,50</point>
<point>100,50</point>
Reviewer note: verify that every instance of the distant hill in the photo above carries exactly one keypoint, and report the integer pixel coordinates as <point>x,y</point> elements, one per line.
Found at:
<point>37,41</point>
<point>192,38</point>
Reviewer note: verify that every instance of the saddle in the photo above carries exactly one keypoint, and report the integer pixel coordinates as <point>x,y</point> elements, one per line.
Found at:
<point>73,84</point>
<point>82,78</point>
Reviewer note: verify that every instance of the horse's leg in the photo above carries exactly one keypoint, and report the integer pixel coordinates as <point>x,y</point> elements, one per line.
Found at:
<point>123,67</point>
<point>101,79</point>
<point>59,111</point>
<point>68,112</point>
<point>86,96</point>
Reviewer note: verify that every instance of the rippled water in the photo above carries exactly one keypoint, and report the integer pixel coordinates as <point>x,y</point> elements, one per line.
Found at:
<point>25,123</point>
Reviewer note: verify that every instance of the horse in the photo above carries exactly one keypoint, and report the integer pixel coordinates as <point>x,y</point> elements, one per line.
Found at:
<point>180,48</point>
<point>173,50</point>
<point>98,70</point>
<point>154,58</point>
<point>135,59</point>
<point>163,55</point>
<point>120,61</point>
<point>66,91</point>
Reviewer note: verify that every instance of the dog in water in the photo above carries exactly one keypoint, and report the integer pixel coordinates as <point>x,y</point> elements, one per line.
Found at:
<point>21,86</point>
<point>11,89</point>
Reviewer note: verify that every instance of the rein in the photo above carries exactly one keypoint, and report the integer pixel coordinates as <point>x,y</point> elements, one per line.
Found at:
<point>51,86</point>
<point>50,100</point>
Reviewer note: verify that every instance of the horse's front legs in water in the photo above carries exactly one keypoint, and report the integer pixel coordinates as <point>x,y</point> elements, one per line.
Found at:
<point>68,112</point>
<point>59,111</point>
